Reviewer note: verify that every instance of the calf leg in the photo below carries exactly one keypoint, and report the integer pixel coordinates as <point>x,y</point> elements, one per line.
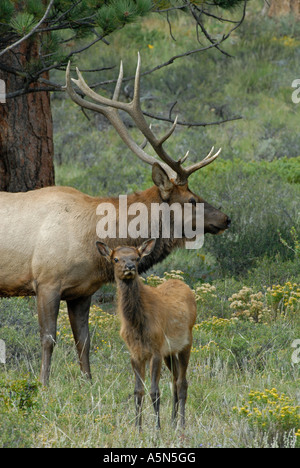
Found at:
<point>48,306</point>
<point>139,372</point>
<point>155,369</point>
<point>172,363</point>
<point>78,310</point>
<point>182,385</point>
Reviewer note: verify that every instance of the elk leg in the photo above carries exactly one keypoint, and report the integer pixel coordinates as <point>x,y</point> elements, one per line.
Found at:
<point>48,306</point>
<point>78,310</point>
<point>172,364</point>
<point>182,384</point>
<point>155,369</point>
<point>139,372</point>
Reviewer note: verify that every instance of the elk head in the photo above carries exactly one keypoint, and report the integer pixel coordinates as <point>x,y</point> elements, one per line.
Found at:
<point>125,259</point>
<point>169,175</point>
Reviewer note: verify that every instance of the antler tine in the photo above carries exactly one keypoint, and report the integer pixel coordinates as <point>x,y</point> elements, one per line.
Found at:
<point>169,132</point>
<point>207,160</point>
<point>78,99</point>
<point>119,83</point>
<point>81,83</point>
<point>137,84</point>
<point>209,154</point>
<point>181,160</point>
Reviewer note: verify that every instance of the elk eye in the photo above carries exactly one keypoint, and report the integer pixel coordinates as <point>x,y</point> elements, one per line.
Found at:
<point>116,260</point>
<point>138,259</point>
<point>192,201</point>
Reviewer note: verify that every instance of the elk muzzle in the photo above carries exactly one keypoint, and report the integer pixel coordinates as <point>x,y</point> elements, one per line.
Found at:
<point>129,270</point>
<point>215,221</point>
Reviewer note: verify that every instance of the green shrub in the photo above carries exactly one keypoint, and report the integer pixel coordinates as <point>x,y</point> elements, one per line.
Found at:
<point>260,203</point>
<point>20,394</point>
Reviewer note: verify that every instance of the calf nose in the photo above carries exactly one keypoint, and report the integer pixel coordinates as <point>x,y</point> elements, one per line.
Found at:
<point>228,222</point>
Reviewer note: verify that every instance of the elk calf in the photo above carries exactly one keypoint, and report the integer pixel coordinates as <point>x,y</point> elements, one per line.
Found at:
<point>156,323</point>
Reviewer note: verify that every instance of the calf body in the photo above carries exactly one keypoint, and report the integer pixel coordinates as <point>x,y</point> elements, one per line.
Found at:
<point>156,324</point>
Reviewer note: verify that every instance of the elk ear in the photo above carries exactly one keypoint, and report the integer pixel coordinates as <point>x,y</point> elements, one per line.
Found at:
<point>104,250</point>
<point>162,181</point>
<point>147,247</point>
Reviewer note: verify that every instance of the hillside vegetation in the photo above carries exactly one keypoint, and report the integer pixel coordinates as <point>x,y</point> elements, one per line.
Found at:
<point>244,369</point>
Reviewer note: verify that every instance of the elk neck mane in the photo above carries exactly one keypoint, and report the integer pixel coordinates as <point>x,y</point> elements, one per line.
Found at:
<point>130,305</point>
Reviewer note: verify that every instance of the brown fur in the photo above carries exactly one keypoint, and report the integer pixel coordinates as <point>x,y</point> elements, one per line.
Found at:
<point>156,324</point>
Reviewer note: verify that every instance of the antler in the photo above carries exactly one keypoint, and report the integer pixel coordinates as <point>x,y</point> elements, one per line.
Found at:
<point>109,108</point>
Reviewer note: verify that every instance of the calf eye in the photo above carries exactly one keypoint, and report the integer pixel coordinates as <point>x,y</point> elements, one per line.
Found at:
<point>192,201</point>
<point>116,260</point>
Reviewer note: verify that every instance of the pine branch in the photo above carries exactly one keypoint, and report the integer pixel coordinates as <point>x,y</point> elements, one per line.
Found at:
<point>24,38</point>
<point>62,20</point>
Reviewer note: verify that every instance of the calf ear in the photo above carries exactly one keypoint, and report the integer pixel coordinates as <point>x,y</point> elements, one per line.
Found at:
<point>162,181</point>
<point>147,247</point>
<point>104,250</point>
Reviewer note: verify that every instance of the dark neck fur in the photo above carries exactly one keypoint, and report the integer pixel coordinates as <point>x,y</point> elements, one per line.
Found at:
<point>162,249</point>
<point>129,297</point>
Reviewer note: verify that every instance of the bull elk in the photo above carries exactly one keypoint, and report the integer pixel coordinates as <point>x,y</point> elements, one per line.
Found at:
<point>156,324</point>
<point>46,234</point>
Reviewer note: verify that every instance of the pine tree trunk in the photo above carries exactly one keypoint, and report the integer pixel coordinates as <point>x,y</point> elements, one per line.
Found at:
<point>284,7</point>
<point>26,131</point>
